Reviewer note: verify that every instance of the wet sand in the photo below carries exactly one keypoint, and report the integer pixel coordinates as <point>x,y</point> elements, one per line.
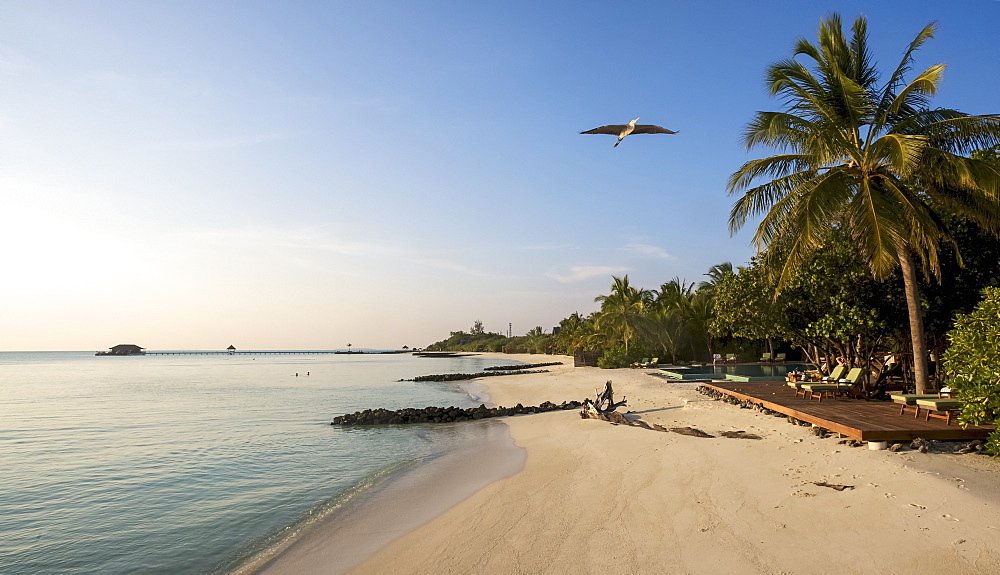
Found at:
<point>407,501</point>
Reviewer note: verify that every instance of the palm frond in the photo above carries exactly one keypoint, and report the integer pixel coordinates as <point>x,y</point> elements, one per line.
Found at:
<point>807,211</point>
<point>901,152</point>
<point>964,134</point>
<point>779,130</point>
<point>963,186</point>
<point>875,225</point>
<point>760,199</point>
<point>924,231</point>
<point>916,95</point>
<point>896,79</point>
<point>862,69</point>
<point>777,166</point>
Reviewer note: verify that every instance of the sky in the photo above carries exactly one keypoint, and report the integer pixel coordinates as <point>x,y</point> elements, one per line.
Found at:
<point>304,175</point>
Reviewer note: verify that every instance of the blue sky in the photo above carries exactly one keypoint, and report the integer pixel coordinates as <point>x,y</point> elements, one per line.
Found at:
<point>308,174</point>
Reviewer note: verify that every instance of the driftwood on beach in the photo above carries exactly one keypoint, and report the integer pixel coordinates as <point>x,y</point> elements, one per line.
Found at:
<point>604,407</point>
<point>443,414</point>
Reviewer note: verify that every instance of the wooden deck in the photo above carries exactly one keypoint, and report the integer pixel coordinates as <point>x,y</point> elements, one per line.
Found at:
<point>855,418</point>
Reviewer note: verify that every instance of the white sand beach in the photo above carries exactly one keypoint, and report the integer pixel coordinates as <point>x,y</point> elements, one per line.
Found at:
<point>598,498</point>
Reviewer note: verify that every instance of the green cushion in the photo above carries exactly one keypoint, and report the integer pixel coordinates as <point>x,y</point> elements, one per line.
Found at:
<point>911,398</point>
<point>821,386</point>
<point>939,404</point>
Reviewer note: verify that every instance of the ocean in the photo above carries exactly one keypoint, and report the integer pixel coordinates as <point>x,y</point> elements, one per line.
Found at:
<point>197,463</point>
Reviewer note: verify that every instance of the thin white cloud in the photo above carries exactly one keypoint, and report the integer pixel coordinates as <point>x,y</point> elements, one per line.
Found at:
<point>580,273</point>
<point>446,265</point>
<point>649,251</point>
<point>310,239</point>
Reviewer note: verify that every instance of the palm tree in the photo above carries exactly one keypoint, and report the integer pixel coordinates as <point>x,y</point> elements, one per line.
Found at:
<point>716,274</point>
<point>623,310</point>
<point>873,159</point>
<point>673,291</point>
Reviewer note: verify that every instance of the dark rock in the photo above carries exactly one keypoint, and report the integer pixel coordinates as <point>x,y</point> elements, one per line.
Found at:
<point>433,414</point>
<point>520,367</point>
<point>739,435</point>
<point>465,376</point>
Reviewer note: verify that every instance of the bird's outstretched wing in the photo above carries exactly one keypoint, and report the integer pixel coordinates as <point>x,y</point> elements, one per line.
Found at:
<point>613,129</point>
<point>650,129</point>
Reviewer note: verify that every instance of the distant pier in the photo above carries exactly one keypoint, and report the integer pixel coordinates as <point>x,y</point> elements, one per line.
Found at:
<point>274,352</point>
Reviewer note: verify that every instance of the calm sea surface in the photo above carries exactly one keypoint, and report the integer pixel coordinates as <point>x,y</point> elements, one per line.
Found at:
<point>192,464</point>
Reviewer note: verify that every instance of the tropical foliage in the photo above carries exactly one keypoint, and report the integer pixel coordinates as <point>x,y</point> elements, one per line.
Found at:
<point>974,359</point>
<point>868,157</point>
<point>633,323</point>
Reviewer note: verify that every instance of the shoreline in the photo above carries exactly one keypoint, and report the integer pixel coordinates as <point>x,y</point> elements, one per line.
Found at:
<point>401,503</point>
<point>594,497</point>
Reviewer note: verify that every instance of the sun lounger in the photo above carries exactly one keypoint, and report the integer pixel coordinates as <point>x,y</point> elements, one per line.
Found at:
<point>940,408</point>
<point>832,389</point>
<point>779,358</point>
<point>638,364</point>
<point>835,375</point>
<point>652,363</point>
<point>818,390</point>
<point>731,357</point>
<point>797,386</point>
<point>908,401</point>
<point>765,357</point>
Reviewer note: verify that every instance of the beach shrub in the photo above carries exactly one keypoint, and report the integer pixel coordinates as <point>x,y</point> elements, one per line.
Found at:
<point>613,358</point>
<point>973,360</point>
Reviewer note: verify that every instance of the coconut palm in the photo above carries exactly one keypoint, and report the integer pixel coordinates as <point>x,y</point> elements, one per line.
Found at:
<point>623,310</point>
<point>871,158</point>
<point>716,274</point>
<point>666,331</point>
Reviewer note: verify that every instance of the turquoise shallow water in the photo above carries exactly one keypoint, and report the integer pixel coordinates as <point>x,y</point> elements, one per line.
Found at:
<point>190,464</point>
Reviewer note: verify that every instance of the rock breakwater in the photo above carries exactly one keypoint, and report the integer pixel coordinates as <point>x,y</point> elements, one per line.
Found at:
<point>520,367</point>
<point>444,414</point>
<point>466,376</point>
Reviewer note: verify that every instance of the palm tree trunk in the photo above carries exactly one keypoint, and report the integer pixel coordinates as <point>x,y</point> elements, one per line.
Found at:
<point>916,319</point>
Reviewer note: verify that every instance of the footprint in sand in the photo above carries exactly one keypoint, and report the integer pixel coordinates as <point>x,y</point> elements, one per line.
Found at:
<point>948,517</point>
<point>917,506</point>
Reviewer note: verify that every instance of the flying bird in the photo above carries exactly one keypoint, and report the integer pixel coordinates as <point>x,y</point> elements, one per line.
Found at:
<point>622,130</point>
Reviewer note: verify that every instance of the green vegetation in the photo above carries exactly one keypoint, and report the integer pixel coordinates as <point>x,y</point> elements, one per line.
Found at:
<point>880,224</point>
<point>974,360</point>
<point>870,159</point>
<point>633,323</point>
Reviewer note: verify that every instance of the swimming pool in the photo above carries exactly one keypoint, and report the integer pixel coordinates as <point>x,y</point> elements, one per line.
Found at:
<point>755,372</point>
